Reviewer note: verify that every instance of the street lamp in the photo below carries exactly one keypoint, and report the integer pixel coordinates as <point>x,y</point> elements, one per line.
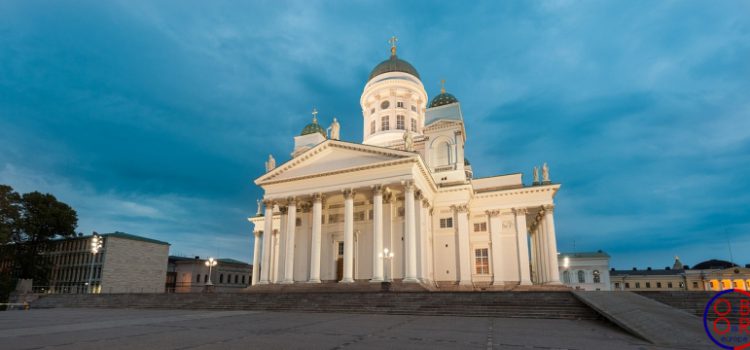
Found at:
<point>211,262</point>
<point>386,255</point>
<point>96,245</point>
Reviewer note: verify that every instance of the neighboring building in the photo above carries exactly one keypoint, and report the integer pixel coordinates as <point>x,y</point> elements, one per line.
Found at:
<point>332,209</point>
<point>124,263</point>
<point>713,275</point>
<point>587,270</point>
<point>189,275</point>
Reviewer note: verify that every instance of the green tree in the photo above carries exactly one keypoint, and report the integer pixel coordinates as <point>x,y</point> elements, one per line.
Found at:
<point>10,213</point>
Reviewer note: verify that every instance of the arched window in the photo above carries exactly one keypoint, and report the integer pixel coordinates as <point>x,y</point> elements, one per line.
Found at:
<point>581,277</point>
<point>566,276</point>
<point>597,278</point>
<point>442,153</point>
<point>197,278</point>
<point>221,278</point>
<point>243,279</point>
<point>236,279</point>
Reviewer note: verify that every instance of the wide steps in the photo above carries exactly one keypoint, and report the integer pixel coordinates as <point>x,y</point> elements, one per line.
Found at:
<point>557,305</point>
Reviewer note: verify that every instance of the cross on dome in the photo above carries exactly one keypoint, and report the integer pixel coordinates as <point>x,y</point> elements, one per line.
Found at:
<point>315,115</point>
<point>393,41</point>
<point>442,86</point>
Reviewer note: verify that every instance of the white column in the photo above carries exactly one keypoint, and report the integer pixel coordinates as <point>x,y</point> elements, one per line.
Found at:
<point>279,246</point>
<point>418,235</point>
<point>315,241</point>
<point>423,244</point>
<point>256,258</point>
<point>410,253</point>
<point>377,234</point>
<point>267,233</point>
<point>493,218</point>
<point>291,227</point>
<point>549,223</point>
<point>543,254</point>
<point>464,247</point>
<point>348,237</point>
<point>523,247</point>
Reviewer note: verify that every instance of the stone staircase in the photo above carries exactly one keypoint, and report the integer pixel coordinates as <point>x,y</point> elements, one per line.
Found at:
<point>691,302</point>
<point>534,304</point>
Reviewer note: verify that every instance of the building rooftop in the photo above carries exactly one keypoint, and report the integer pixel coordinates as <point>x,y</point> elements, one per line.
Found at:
<point>657,272</point>
<point>173,258</point>
<point>596,254</point>
<point>124,235</point>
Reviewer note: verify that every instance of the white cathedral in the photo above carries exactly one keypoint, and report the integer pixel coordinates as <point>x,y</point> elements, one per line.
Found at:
<point>403,204</point>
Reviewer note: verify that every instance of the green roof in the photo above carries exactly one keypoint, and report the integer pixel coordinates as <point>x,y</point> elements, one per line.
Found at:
<point>393,64</point>
<point>124,235</point>
<point>443,99</point>
<point>596,254</point>
<point>313,128</point>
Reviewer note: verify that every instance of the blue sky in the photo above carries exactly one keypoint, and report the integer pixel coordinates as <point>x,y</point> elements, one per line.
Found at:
<point>154,117</point>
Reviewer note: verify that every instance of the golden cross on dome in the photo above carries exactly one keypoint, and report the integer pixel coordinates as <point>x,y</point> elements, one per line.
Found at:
<point>393,41</point>
<point>442,86</point>
<point>315,115</point>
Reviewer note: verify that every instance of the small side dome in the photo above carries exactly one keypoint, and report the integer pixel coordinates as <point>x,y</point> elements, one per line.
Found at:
<point>444,98</point>
<point>313,128</point>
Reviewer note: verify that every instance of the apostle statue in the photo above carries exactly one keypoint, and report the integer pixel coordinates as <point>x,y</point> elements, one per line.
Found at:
<point>545,174</point>
<point>333,130</point>
<point>408,142</point>
<point>536,175</point>
<point>270,163</point>
<point>259,202</point>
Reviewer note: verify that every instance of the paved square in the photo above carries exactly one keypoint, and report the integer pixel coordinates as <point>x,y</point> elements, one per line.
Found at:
<point>196,329</point>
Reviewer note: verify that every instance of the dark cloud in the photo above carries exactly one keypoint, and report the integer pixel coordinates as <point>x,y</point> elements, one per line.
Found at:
<point>154,119</point>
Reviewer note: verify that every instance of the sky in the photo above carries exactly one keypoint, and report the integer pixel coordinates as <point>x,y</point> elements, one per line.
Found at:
<point>155,117</point>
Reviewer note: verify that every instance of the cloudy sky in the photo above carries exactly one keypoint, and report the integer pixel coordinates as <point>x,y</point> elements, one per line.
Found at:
<point>154,117</point>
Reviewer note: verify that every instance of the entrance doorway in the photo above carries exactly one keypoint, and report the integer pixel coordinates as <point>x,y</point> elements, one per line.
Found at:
<point>339,260</point>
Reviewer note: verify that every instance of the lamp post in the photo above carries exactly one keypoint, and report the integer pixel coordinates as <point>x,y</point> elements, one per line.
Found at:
<point>386,255</point>
<point>96,245</point>
<point>211,262</point>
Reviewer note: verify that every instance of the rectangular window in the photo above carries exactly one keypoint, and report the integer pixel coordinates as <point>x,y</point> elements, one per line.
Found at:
<point>658,284</point>
<point>359,216</point>
<point>669,284</point>
<point>413,125</point>
<point>638,284</point>
<point>400,122</point>
<point>298,222</point>
<point>617,285</point>
<point>482,261</point>
<point>627,285</point>
<point>413,108</point>
<point>384,123</point>
<point>401,212</point>
<point>682,285</point>
<point>648,284</point>
<point>480,227</point>
<point>334,218</point>
<point>400,104</point>
<point>446,222</point>
<point>695,285</point>
<point>372,127</point>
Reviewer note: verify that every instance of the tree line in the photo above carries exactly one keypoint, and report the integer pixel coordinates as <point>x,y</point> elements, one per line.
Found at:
<point>27,222</point>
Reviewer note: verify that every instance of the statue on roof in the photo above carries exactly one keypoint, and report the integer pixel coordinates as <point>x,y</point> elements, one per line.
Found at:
<point>408,142</point>
<point>270,163</point>
<point>545,174</point>
<point>334,130</point>
<point>259,202</point>
<point>536,175</point>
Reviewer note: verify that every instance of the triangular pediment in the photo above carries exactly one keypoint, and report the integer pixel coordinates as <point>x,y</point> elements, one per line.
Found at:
<point>332,156</point>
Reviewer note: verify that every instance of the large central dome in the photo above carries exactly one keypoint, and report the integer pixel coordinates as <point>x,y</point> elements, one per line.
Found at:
<point>393,64</point>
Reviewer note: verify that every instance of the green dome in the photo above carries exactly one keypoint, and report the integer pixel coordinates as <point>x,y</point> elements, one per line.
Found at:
<point>443,99</point>
<point>393,64</point>
<point>313,128</point>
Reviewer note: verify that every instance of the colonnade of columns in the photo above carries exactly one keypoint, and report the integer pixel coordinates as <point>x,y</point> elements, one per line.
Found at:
<point>412,217</point>
<point>544,247</point>
<point>541,255</point>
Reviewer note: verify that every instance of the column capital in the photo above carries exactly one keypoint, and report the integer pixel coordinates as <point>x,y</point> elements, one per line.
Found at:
<point>317,197</point>
<point>408,185</point>
<point>268,203</point>
<point>305,206</point>
<point>257,233</point>
<point>291,201</point>
<point>283,209</point>
<point>548,208</point>
<point>520,211</point>
<point>377,189</point>
<point>425,203</point>
<point>348,193</point>
<point>388,197</point>
<point>460,208</point>
<point>492,213</point>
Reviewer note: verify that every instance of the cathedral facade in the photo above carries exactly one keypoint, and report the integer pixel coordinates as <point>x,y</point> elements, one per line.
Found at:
<point>402,204</point>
